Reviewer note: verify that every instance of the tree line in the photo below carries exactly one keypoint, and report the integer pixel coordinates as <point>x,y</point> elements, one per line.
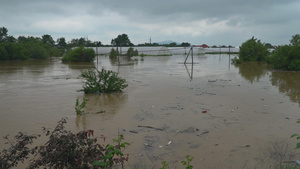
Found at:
<point>285,57</point>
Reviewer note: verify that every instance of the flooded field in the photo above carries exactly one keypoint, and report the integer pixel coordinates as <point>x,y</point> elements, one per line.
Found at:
<point>225,116</point>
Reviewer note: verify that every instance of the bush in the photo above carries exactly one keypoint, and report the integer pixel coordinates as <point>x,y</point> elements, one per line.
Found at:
<point>11,51</point>
<point>104,81</point>
<point>80,54</point>
<point>64,149</point>
<point>131,52</point>
<point>113,54</point>
<point>286,57</point>
<point>253,50</point>
<point>37,52</point>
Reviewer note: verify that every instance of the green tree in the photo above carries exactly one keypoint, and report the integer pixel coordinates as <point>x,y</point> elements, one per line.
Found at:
<point>269,46</point>
<point>185,44</point>
<point>253,50</point>
<point>121,40</point>
<point>11,51</point>
<point>47,39</point>
<point>79,54</point>
<point>3,33</point>
<point>61,43</point>
<point>295,40</point>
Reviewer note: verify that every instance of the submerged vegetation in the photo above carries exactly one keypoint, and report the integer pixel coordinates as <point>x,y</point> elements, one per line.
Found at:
<point>286,57</point>
<point>79,54</point>
<point>253,50</point>
<point>80,106</point>
<point>104,81</point>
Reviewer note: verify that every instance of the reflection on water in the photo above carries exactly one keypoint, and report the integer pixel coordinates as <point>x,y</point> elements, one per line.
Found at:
<point>190,71</point>
<point>107,100</point>
<point>80,66</point>
<point>110,103</point>
<point>287,83</point>
<point>252,71</point>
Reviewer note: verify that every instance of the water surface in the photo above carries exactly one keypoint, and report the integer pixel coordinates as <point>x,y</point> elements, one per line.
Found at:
<point>247,106</point>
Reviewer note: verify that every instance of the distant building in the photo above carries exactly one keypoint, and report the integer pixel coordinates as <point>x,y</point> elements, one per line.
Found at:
<point>205,46</point>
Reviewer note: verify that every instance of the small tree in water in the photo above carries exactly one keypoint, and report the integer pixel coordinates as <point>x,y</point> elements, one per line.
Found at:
<point>104,81</point>
<point>253,50</point>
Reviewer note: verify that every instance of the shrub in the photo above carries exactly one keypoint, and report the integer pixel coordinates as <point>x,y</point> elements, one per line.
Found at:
<point>64,149</point>
<point>104,81</point>
<point>113,54</point>
<point>286,57</point>
<point>37,52</point>
<point>79,54</point>
<point>11,51</point>
<point>131,52</point>
<point>253,50</point>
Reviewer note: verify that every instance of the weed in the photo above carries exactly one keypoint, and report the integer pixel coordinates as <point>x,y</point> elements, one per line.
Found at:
<point>187,162</point>
<point>80,106</point>
<point>113,154</point>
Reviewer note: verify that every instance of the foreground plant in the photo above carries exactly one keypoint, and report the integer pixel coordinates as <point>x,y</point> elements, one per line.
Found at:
<point>113,154</point>
<point>63,149</point>
<point>187,162</point>
<point>104,81</point>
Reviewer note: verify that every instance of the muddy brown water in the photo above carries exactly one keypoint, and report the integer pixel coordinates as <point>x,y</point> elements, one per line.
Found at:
<point>247,107</point>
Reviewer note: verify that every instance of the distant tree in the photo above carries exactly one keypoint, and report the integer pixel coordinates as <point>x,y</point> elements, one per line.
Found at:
<point>82,42</point>
<point>11,51</point>
<point>61,43</point>
<point>268,45</point>
<point>10,39</point>
<point>173,44</point>
<point>47,39</point>
<point>3,33</point>
<point>295,40</point>
<point>121,40</point>
<point>185,44</point>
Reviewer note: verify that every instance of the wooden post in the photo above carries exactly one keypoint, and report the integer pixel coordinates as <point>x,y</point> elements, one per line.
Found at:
<point>192,55</point>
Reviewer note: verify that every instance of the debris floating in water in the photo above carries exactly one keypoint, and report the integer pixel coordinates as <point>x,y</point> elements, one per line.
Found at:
<point>169,143</point>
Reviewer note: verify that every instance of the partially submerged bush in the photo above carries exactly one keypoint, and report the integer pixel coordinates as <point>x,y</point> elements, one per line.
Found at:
<point>104,81</point>
<point>131,52</point>
<point>79,55</point>
<point>253,50</point>
<point>286,57</point>
<point>113,54</point>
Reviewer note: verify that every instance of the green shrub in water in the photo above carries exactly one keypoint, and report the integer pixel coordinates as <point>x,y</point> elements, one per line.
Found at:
<point>79,55</point>
<point>104,81</point>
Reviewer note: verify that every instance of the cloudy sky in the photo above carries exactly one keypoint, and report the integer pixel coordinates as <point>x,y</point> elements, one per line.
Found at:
<point>213,22</point>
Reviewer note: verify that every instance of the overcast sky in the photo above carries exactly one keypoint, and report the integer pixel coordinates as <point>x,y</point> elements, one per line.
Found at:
<point>213,22</point>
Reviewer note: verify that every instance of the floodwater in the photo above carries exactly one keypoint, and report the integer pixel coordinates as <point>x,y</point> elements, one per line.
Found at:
<point>225,116</point>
